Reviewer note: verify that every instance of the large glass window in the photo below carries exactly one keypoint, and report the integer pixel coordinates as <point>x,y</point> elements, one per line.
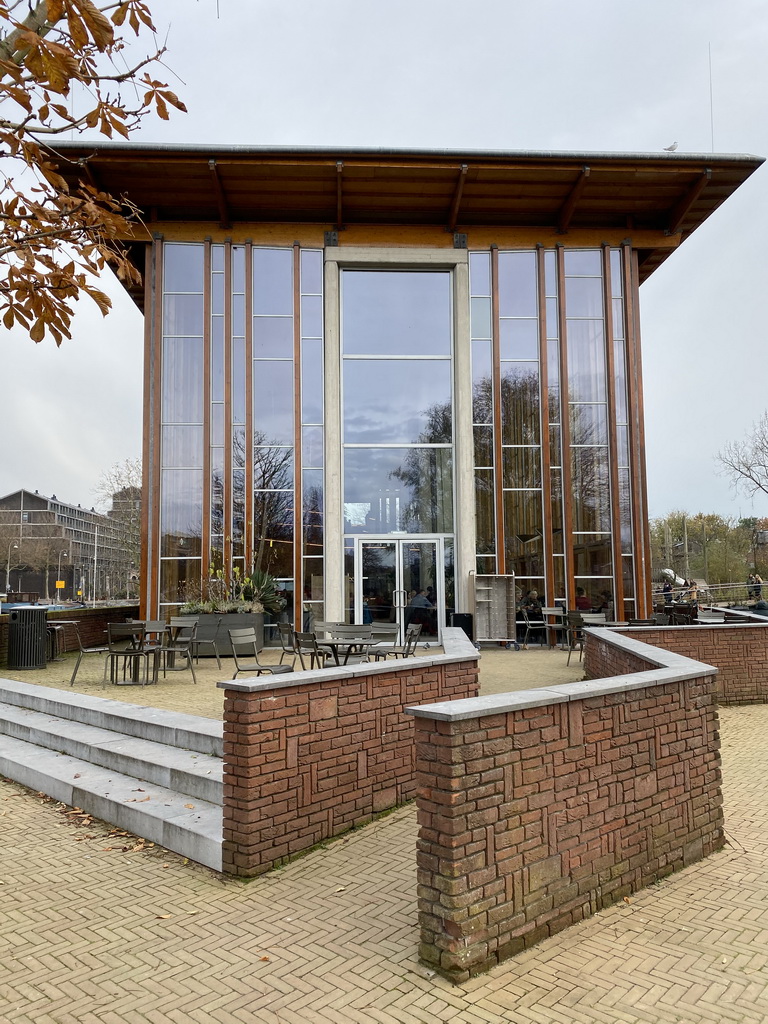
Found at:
<point>182,420</point>
<point>573,412</point>
<point>397,406</point>
<point>396,313</point>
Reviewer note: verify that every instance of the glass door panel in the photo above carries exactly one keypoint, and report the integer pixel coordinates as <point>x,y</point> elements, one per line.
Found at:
<point>377,582</point>
<point>419,573</point>
<point>401,581</point>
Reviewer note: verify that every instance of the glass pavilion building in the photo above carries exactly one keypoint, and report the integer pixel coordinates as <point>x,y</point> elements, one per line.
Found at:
<point>374,373</point>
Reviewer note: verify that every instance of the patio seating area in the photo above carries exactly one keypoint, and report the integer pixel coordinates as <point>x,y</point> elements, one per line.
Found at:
<point>500,670</point>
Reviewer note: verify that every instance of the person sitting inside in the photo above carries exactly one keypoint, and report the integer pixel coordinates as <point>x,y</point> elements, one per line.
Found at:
<point>606,603</point>
<point>532,604</point>
<point>583,603</point>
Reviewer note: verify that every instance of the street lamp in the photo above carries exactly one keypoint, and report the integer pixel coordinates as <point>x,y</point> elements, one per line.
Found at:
<point>11,547</point>
<point>58,571</point>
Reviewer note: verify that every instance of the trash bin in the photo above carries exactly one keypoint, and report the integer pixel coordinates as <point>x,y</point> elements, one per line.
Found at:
<point>463,620</point>
<point>26,638</point>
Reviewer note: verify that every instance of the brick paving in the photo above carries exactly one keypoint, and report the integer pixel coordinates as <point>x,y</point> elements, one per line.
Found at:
<point>94,930</point>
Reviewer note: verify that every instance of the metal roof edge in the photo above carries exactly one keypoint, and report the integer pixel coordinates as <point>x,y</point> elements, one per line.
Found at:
<point>328,151</point>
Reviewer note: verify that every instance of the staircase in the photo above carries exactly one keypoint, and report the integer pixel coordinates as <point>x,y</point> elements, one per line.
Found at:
<point>154,773</point>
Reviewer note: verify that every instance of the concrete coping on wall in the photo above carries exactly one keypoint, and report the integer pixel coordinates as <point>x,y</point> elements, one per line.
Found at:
<point>456,648</point>
<point>668,668</point>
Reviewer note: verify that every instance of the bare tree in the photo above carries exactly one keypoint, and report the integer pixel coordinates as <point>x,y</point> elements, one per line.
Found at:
<point>119,496</point>
<point>746,461</point>
<point>63,69</point>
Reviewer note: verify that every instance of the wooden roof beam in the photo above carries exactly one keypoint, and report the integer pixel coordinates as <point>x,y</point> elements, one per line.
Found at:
<point>453,216</point>
<point>686,201</point>
<point>568,208</point>
<point>339,195</point>
<point>221,200</point>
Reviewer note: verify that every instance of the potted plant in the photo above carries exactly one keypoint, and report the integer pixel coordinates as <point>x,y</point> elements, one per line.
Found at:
<point>233,603</point>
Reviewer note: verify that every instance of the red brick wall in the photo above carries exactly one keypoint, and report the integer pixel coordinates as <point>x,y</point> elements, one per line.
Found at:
<point>740,652</point>
<point>308,761</point>
<point>533,819</point>
<point>92,623</point>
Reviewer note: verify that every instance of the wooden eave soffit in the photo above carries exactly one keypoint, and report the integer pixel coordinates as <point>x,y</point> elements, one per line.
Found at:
<point>686,201</point>
<point>453,216</point>
<point>568,208</point>
<point>339,195</point>
<point>221,200</point>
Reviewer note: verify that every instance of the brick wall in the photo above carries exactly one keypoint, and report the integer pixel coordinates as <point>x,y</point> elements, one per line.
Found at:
<point>92,623</point>
<point>541,807</point>
<point>739,652</point>
<point>306,760</point>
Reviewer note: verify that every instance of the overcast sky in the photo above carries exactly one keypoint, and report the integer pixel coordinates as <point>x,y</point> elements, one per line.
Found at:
<point>492,74</point>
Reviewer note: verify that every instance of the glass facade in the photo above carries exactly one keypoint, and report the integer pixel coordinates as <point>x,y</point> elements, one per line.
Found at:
<point>242,352</point>
<point>243,428</point>
<point>552,477</point>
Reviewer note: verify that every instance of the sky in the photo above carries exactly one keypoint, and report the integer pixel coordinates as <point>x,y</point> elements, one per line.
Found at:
<point>600,75</point>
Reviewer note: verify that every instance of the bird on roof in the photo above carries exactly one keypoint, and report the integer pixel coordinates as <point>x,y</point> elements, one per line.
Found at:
<point>670,149</point>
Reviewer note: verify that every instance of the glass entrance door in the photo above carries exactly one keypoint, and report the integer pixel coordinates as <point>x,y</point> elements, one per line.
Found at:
<point>401,580</point>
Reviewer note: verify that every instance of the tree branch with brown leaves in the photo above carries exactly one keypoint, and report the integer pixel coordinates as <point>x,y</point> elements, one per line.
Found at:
<point>63,69</point>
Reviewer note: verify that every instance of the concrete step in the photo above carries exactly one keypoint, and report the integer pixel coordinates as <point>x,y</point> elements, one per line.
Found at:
<point>173,728</point>
<point>188,826</point>
<point>184,771</point>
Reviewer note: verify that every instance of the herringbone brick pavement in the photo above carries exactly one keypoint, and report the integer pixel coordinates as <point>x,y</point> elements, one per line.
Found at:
<point>96,931</point>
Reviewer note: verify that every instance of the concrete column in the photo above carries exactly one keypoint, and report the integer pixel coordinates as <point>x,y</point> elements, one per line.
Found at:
<point>333,497</point>
<point>463,452</point>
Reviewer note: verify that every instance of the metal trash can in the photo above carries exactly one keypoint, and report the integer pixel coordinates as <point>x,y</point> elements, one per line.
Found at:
<point>463,620</point>
<point>26,638</point>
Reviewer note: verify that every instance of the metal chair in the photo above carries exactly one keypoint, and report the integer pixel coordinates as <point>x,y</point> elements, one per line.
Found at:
<point>82,651</point>
<point>643,622</point>
<point>245,646</point>
<point>531,626</point>
<point>127,645</point>
<point>178,642</point>
<point>201,641</point>
<point>364,633</point>
<point>306,644</point>
<point>154,633</point>
<point>575,634</point>
<point>661,619</point>
<point>558,626</point>
<point>404,650</point>
<point>383,634</point>
<point>287,643</point>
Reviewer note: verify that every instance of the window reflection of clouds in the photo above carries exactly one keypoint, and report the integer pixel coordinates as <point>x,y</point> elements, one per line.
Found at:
<point>386,401</point>
<point>396,312</point>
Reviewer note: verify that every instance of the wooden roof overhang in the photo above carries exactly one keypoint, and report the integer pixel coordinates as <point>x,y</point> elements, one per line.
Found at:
<point>671,193</point>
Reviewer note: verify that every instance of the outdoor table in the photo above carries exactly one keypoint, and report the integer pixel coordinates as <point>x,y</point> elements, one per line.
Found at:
<point>336,644</point>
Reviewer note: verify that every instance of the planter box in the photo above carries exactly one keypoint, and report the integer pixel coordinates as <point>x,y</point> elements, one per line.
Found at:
<point>215,626</point>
